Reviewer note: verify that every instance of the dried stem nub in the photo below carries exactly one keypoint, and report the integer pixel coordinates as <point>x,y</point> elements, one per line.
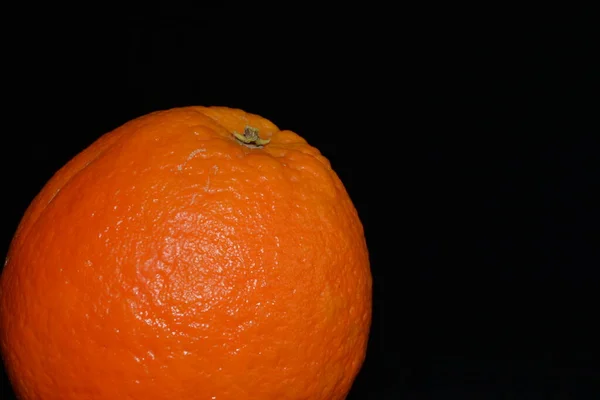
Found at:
<point>250,138</point>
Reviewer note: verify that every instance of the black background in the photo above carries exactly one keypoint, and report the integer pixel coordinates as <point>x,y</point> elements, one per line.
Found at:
<point>470,153</point>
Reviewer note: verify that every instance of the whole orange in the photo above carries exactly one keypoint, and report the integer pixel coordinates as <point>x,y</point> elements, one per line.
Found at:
<point>192,253</point>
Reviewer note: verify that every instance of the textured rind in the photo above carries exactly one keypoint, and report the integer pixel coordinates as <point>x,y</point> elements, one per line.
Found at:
<point>169,261</point>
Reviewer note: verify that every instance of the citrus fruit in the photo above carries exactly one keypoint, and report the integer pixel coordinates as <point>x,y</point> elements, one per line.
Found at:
<point>191,253</point>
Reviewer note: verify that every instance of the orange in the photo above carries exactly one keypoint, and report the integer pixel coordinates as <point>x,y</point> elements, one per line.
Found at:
<point>192,253</point>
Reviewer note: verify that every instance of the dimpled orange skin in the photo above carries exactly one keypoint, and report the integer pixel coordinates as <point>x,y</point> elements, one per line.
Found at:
<point>170,261</point>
